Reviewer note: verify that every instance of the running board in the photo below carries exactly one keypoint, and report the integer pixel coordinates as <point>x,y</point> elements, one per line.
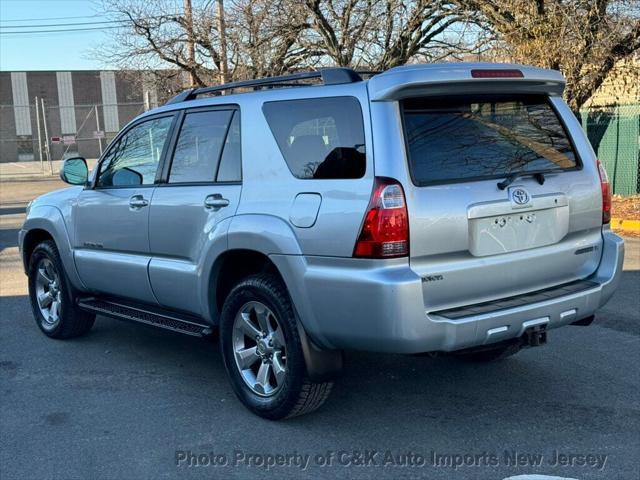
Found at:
<point>141,314</point>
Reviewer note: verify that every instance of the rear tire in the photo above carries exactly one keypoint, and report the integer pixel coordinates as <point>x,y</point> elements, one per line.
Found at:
<point>262,352</point>
<point>491,354</point>
<point>52,297</point>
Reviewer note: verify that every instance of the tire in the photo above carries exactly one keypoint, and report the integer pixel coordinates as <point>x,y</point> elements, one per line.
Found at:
<point>280,396</point>
<point>490,355</point>
<point>65,319</point>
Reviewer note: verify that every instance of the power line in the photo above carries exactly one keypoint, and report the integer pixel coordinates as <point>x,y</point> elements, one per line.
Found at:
<point>88,29</point>
<point>100,25</point>
<point>47,25</point>
<point>46,19</point>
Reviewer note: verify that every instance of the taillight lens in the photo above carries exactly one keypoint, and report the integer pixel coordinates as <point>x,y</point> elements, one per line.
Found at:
<point>606,193</point>
<point>385,231</point>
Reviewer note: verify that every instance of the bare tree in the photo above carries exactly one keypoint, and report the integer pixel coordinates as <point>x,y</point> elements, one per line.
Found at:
<point>377,34</point>
<point>584,39</point>
<point>214,41</point>
<point>157,33</point>
<point>407,29</point>
<point>210,40</point>
<point>268,33</point>
<point>339,27</point>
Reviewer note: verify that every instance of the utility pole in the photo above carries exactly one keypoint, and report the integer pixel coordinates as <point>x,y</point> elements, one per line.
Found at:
<point>46,135</point>
<point>39,134</point>
<point>224,66</point>
<point>191,47</point>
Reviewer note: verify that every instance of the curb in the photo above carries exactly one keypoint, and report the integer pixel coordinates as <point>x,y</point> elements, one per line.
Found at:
<point>28,178</point>
<point>626,225</point>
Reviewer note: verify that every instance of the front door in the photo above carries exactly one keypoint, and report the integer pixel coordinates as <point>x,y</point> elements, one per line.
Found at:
<point>111,241</point>
<point>190,210</point>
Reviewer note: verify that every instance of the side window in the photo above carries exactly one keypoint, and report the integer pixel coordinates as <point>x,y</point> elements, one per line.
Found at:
<point>199,146</point>
<point>319,138</point>
<point>134,158</point>
<point>230,169</point>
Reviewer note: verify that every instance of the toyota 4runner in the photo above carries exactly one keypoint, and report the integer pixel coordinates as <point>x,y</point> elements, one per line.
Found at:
<point>452,208</point>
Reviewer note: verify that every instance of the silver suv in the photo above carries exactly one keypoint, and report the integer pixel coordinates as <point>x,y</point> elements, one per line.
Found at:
<point>452,208</point>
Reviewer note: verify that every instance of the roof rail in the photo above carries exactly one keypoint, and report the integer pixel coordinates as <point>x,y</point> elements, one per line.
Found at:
<point>329,76</point>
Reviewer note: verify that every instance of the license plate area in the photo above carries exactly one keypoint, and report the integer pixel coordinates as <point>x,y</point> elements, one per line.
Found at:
<point>506,230</point>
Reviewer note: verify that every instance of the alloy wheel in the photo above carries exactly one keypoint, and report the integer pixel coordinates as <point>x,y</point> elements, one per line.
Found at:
<point>48,293</point>
<point>259,348</point>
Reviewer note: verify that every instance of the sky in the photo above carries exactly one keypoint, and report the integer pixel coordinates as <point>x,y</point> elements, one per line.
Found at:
<point>49,51</point>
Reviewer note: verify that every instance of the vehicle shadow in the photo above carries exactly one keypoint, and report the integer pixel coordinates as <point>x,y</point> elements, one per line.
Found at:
<point>407,395</point>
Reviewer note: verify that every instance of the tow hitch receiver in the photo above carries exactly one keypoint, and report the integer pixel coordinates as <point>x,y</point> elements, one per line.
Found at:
<point>535,336</point>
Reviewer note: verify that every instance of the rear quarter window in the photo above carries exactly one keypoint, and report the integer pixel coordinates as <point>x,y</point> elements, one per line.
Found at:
<point>319,138</point>
<point>463,138</point>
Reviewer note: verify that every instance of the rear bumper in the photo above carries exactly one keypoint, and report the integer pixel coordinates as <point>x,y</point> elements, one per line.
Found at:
<point>374,306</point>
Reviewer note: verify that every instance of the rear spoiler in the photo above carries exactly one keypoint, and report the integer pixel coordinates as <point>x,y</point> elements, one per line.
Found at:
<point>452,78</point>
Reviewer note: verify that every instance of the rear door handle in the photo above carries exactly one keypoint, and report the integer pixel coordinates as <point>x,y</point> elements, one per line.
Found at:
<point>215,202</point>
<point>138,201</point>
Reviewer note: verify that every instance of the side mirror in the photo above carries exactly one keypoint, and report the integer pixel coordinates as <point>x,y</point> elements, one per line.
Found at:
<point>74,171</point>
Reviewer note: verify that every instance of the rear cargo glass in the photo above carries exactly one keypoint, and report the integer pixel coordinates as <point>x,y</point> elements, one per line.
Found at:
<point>462,138</point>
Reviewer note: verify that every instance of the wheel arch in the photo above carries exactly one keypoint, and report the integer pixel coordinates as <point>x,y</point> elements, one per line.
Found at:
<point>47,223</point>
<point>31,240</point>
<point>234,265</point>
<point>230,268</point>
<point>250,241</point>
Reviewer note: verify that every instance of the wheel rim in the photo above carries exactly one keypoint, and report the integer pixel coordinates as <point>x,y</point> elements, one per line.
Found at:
<point>48,294</point>
<point>259,349</point>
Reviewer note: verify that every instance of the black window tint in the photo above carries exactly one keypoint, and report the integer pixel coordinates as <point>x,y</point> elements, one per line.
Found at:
<point>230,169</point>
<point>473,137</point>
<point>195,158</point>
<point>319,138</point>
<point>134,159</point>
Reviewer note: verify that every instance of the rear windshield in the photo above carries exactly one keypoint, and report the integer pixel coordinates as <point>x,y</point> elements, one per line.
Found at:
<point>462,138</point>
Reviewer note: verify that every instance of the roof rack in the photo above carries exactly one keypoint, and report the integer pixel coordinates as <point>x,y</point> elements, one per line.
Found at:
<point>329,76</point>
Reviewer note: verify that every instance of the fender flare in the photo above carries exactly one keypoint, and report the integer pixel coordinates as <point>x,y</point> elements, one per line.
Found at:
<point>274,238</point>
<point>264,234</point>
<point>51,220</point>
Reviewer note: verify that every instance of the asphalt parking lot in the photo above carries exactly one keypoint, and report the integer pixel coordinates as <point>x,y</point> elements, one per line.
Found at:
<point>130,402</point>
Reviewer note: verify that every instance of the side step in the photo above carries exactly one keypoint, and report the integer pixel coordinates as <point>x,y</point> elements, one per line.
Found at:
<point>151,316</point>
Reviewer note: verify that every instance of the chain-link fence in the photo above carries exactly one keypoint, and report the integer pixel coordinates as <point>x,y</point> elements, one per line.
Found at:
<point>52,132</point>
<point>614,133</point>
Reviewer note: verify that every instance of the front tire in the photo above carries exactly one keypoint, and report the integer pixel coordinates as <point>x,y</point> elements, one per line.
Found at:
<point>51,296</point>
<point>262,352</point>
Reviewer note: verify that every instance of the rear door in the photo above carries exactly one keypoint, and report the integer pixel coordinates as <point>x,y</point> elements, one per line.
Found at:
<point>474,238</point>
<point>200,190</point>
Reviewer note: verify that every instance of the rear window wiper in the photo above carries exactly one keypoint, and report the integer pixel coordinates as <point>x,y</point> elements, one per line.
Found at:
<point>512,177</point>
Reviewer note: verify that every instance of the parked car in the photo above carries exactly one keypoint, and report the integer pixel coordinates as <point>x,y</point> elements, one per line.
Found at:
<point>446,208</point>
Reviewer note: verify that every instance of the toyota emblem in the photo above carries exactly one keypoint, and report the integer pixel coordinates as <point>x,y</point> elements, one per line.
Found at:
<point>519,196</point>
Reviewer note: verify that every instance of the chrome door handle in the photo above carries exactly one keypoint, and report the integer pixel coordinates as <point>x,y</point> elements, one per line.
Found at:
<point>138,201</point>
<point>215,202</point>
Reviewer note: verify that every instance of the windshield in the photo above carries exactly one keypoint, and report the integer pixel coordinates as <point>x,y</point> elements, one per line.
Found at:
<point>462,137</point>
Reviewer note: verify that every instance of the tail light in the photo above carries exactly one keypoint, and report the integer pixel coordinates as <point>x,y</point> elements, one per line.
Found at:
<point>606,194</point>
<point>385,231</point>
<point>496,73</point>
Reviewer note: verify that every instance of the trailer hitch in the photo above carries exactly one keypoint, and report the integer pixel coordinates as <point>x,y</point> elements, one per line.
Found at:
<point>535,336</point>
